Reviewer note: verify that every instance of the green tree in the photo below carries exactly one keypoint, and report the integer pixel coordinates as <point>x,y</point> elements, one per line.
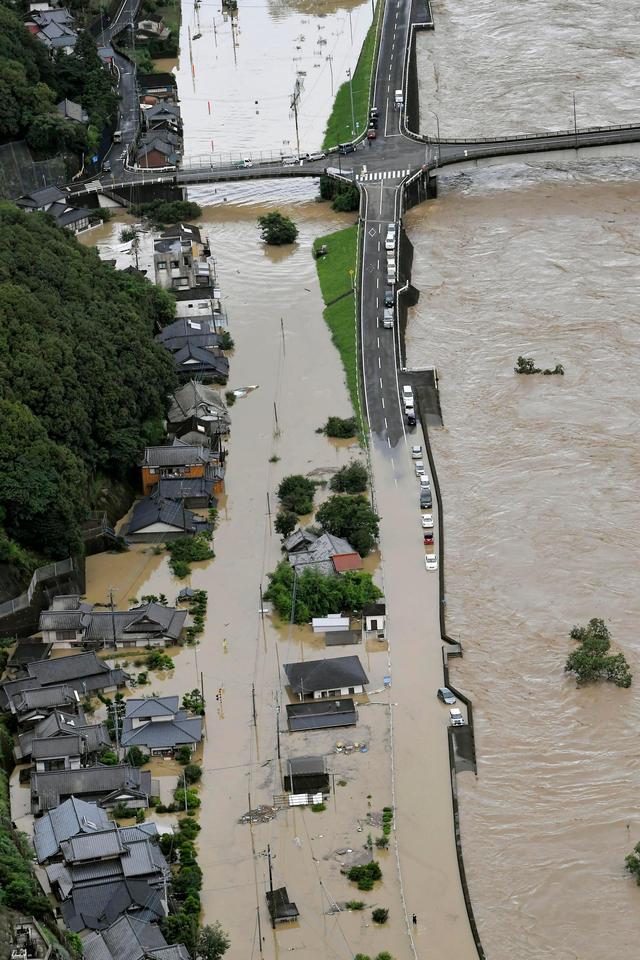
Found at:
<point>590,661</point>
<point>350,517</point>
<point>285,522</point>
<point>350,479</point>
<point>213,942</point>
<point>182,928</point>
<point>276,230</point>
<point>193,772</point>
<point>136,757</point>
<point>295,493</point>
<point>317,594</point>
<point>339,428</point>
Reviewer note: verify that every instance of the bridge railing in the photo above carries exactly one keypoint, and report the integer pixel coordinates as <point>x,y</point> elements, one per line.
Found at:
<point>545,134</point>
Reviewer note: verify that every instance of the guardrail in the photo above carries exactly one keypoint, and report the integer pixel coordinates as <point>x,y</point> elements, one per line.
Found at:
<point>572,134</point>
<point>42,573</point>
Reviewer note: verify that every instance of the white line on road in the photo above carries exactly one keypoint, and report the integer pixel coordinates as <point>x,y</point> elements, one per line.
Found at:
<point>378,343</point>
<point>379,364</point>
<point>393,463</point>
<point>377,303</point>
<point>381,383</point>
<point>382,398</point>
<point>386,424</point>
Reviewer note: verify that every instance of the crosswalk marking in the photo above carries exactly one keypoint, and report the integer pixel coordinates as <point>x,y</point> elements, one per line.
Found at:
<point>382,175</point>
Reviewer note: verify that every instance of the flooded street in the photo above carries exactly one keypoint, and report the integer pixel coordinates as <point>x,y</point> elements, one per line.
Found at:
<point>522,63</point>
<point>538,477</point>
<point>237,79</point>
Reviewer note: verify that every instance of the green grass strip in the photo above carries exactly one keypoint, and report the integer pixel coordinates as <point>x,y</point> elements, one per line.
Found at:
<point>335,280</point>
<point>339,129</point>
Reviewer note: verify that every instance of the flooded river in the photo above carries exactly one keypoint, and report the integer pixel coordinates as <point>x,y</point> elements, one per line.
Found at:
<point>503,68</point>
<point>538,477</point>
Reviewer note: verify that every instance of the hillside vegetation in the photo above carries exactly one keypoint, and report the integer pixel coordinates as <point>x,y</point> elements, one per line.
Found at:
<point>83,385</point>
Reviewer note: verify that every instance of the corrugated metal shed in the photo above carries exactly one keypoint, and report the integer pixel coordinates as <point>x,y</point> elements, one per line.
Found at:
<point>321,714</point>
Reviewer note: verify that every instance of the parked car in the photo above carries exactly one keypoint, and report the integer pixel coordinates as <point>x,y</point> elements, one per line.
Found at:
<point>390,244</point>
<point>345,148</point>
<point>419,467</point>
<point>373,112</point>
<point>371,133</point>
<point>388,318</point>
<point>427,521</point>
<point>455,715</point>
<point>416,451</point>
<point>388,298</point>
<point>106,166</point>
<point>411,419</point>
<point>399,98</point>
<point>445,695</point>
<point>290,161</point>
<point>373,122</point>
<point>431,561</point>
<point>246,162</point>
<point>407,392</point>
<point>427,538</point>
<point>425,483</point>
<point>425,500</point>
<point>310,157</point>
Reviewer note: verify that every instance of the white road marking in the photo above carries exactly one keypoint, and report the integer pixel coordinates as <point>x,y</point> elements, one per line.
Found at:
<point>378,343</point>
<point>381,383</point>
<point>379,364</point>
<point>386,424</point>
<point>382,398</point>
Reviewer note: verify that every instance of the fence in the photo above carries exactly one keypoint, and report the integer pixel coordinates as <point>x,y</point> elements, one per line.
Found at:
<point>20,173</point>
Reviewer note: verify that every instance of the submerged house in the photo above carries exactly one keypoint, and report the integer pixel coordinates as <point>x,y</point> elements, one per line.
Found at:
<point>318,679</point>
<point>325,554</point>
<point>197,410</point>
<point>133,939</point>
<point>104,785</point>
<point>73,817</point>
<point>321,714</point>
<point>72,623</point>
<point>61,725</point>
<point>158,519</point>
<point>180,460</point>
<point>158,725</point>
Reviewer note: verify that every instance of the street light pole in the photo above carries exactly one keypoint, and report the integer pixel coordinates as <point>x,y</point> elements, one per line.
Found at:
<point>353,116</point>
<point>330,62</point>
<point>437,134</point>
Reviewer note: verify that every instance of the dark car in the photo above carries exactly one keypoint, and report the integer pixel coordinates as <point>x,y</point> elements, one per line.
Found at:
<point>344,148</point>
<point>373,122</point>
<point>428,537</point>
<point>425,500</point>
<point>371,134</point>
<point>445,695</point>
<point>373,112</point>
<point>388,298</point>
<point>411,422</point>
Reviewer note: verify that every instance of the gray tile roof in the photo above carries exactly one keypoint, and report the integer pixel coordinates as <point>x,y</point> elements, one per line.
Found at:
<point>180,488</point>
<point>44,698</point>
<point>176,455</point>
<point>311,675</point>
<point>195,399</point>
<point>306,765</point>
<point>126,939</point>
<point>49,787</point>
<point>90,846</point>
<point>181,731</point>
<point>72,111</point>
<point>41,198</point>
<point>321,714</point>
<point>146,707</point>
<point>99,905</point>
<point>151,619</point>
<point>206,360</point>
<point>64,669</point>
<point>70,818</point>
<point>60,619</point>
<point>151,510</point>
<point>319,553</point>
<point>55,748</point>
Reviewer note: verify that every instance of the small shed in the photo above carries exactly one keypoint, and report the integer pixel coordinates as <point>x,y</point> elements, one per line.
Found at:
<point>343,562</point>
<point>341,638</point>
<point>375,617</point>
<point>321,714</point>
<point>306,775</point>
<point>333,622</point>
<point>281,909</point>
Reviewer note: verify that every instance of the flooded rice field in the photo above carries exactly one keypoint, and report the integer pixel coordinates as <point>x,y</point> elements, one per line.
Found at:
<point>490,69</point>
<point>538,477</point>
<point>237,75</point>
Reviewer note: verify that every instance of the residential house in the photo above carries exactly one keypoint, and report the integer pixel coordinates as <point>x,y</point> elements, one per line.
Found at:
<point>197,409</point>
<point>108,57</point>
<point>61,725</point>
<point>306,775</point>
<point>190,306</point>
<point>339,677</point>
<point>32,705</point>
<point>195,494</point>
<point>210,364</point>
<point>162,116</point>
<point>40,201</point>
<point>73,817</point>
<point>55,202</point>
<point>203,332</point>
<point>54,28</point>
<point>162,86</point>
<point>71,110</point>
<point>26,651</point>
<point>374,618</point>
<point>98,905</point>
<point>58,753</point>
<point>152,28</point>
<point>106,785</point>
<point>321,714</point>
<point>325,554</point>
<point>158,149</point>
<point>132,939</point>
<point>179,461</point>
<point>84,672</point>
<point>158,519</point>
<point>181,263</point>
<point>147,625</point>
<point>158,725</point>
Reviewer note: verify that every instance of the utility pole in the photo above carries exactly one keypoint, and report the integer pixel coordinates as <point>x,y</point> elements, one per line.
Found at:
<point>353,116</point>
<point>295,96</point>
<point>273,917</point>
<point>184,780</point>
<point>278,722</point>
<point>350,27</point>
<point>253,701</point>
<point>275,413</point>
<point>575,120</point>
<point>259,931</point>
<point>329,60</point>
<point>113,617</point>
<point>269,509</point>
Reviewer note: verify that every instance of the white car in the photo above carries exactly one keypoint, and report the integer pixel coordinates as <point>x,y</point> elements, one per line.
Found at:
<point>407,392</point>
<point>431,561</point>
<point>420,471</point>
<point>455,715</point>
<point>427,521</point>
<point>390,243</point>
<point>416,452</point>
<point>425,483</point>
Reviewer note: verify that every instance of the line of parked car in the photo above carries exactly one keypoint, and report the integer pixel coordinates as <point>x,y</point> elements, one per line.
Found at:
<point>426,500</point>
<point>390,243</point>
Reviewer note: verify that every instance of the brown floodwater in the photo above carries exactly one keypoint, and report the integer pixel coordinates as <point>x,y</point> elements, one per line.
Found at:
<point>538,478</point>
<point>237,79</point>
<point>490,69</point>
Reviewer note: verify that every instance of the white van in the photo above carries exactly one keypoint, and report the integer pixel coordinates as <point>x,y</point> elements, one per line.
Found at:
<point>387,320</point>
<point>399,98</point>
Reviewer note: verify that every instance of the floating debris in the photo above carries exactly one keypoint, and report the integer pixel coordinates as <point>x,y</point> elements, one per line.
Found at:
<point>261,814</point>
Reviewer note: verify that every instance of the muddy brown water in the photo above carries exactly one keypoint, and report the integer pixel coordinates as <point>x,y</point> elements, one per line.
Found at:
<point>490,69</point>
<point>538,477</point>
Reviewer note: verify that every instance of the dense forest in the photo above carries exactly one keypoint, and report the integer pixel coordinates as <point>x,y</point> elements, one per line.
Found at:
<point>31,84</point>
<point>83,385</point>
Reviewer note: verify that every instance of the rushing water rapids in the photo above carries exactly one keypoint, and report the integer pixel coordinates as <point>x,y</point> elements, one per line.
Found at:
<point>539,478</point>
<point>504,68</point>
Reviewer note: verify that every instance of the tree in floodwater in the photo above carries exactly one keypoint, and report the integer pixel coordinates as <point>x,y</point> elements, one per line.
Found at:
<point>277,230</point>
<point>526,365</point>
<point>591,660</point>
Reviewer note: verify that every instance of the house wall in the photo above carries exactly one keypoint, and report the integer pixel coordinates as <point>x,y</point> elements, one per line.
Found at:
<point>154,159</point>
<point>143,536</point>
<point>341,692</point>
<point>376,622</point>
<point>150,475</point>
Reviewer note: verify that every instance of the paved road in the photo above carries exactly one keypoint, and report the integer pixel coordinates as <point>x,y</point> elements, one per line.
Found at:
<point>127,87</point>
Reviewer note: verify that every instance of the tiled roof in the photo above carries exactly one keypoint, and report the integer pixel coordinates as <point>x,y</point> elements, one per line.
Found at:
<point>321,714</point>
<point>343,562</point>
<point>54,748</point>
<point>163,735</point>
<point>146,707</point>
<point>310,675</point>
<point>179,488</point>
<point>151,619</point>
<point>151,510</point>
<point>176,455</point>
<point>126,939</point>
<point>64,669</point>
<point>90,846</point>
<point>47,788</point>
<point>70,818</point>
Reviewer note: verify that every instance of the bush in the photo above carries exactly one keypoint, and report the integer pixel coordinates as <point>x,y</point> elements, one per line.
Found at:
<point>109,757</point>
<point>213,942</point>
<point>350,517</point>
<point>296,494</point>
<point>365,875</point>
<point>189,828</point>
<point>194,702</point>
<point>339,428</point>
<point>136,757</point>
<point>187,550</point>
<point>591,661</point>
<point>318,807</point>
<point>277,230</point>
<point>186,798</point>
<point>380,915</point>
<point>193,772</point>
<point>183,755</point>
<point>355,904</point>
<point>226,341</point>
<point>157,660</point>
<point>382,842</point>
<point>167,211</point>
<point>122,812</point>
<point>285,522</point>
<point>350,479</point>
<point>318,595</point>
